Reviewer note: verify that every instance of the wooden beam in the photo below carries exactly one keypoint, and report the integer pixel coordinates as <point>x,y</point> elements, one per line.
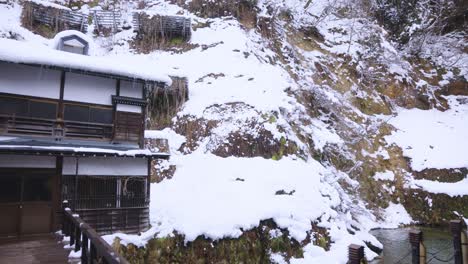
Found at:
<point>57,195</point>
<point>62,91</point>
<point>76,183</point>
<point>148,182</point>
<point>144,113</point>
<point>114,109</point>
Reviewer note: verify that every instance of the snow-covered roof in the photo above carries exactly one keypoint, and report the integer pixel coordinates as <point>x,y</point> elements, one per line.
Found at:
<point>34,146</point>
<point>80,151</point>
<point>36,54</point>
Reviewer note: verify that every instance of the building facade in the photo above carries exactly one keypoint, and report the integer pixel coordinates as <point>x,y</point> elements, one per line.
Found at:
<point>72,130</point>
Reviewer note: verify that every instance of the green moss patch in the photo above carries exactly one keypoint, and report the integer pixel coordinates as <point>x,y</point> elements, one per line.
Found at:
<point>253,246</point>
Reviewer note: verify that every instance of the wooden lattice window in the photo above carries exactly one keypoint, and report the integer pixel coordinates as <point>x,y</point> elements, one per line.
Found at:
<point>23,107</point>
<point>88,114</point>
<point>97,192</point>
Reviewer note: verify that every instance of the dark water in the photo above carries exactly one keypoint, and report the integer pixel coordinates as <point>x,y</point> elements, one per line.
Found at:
<point>397,248</point>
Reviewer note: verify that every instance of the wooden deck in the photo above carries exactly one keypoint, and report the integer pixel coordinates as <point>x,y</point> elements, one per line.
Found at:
<point>33,249</point>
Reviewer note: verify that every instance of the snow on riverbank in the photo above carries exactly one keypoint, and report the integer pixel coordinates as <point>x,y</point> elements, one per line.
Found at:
<point>432,138</point>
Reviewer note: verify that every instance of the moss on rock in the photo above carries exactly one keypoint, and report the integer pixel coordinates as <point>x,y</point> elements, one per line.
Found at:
<point>253,246</point>
<point>434,209</point>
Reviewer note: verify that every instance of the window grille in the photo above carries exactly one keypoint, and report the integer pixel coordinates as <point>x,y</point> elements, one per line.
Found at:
<point>98,192</point>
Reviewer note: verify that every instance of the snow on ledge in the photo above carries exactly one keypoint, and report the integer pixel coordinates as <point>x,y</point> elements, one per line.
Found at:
<point>175,140</point>
<point>22,52</point>
<point>385,176</point>
<point>396,215</point>
<point>452,189</point>
<point>432,138</point>
<point>49,4</point>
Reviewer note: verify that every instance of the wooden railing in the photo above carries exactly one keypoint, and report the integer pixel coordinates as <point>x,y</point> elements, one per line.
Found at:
<point>93,248</point>
<point>54,128</point>
<point>418,252</point>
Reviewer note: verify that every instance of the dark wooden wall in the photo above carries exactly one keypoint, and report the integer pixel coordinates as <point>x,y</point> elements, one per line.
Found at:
<point>112,220</point>
<point>128,127</point>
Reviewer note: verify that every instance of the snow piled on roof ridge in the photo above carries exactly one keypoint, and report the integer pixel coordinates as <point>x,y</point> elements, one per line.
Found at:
<point>22,52</point>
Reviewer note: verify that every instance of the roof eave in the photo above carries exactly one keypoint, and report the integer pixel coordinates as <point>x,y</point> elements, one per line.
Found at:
<point>73,153</point>
<point>159,84</point>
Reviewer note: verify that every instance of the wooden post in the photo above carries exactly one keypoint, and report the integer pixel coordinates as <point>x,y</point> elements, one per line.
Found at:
<point>77,239</point>
<point>92,253</point>
<point>84,250</point>
<point>456,229</point>
<point>464,243</point>
<point>72,233</point>
<point>418,250</point>
<point>65,229</point>
<point>356,254</point>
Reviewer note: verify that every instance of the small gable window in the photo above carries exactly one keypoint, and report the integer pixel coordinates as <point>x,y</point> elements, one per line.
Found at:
<point>73,43</point>
<point>74,46</point>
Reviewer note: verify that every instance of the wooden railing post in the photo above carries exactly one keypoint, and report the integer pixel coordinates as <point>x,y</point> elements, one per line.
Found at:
<point>77,239</point>
<point>64,219</point>
<point>356,254</point>
<point>94,249</point>
<point>464,243</point>
<point>456,229</point>
<point>92,253</point>
<point>84,250</point>
<point>72,233</point>
<point>418,250</point>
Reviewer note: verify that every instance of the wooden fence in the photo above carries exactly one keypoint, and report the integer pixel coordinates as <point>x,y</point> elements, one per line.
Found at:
<point>104,19</point>
<point>93,248</point>
<point>163,26</point>
<point>58,19</point>
<point>418,252</point>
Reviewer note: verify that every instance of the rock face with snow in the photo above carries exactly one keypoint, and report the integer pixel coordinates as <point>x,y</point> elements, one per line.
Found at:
<point>324,118</point>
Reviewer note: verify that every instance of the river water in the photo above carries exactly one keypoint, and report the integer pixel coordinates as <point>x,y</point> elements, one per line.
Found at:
<point>397,248</point>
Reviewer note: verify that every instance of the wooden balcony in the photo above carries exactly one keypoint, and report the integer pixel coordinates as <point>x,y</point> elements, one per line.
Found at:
<point>57,129</point>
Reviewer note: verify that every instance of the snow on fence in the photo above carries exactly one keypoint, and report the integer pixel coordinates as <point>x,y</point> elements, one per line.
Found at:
<point>58,19</point>
<point>152,28</point>
<point>166,27</point>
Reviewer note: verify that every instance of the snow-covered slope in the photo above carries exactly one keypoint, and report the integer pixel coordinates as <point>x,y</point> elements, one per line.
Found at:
<point>432,138</point>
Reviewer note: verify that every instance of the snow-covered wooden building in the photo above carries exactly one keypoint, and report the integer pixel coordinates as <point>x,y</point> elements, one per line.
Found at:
<point>72,128</point>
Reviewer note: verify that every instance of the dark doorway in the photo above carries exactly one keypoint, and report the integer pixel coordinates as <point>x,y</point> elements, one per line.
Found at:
<point>25,201</point>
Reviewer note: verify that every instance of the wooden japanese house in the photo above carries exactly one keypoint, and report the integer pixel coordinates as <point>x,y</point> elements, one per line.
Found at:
<point>72,129</point>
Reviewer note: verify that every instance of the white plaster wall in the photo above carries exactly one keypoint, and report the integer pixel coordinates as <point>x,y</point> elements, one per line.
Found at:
<point>131,89</point>
<point>26,161</point>
<point>129,108</point>
<point>89,89</point>
<point>29,80</point>
<point>106,166</point>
